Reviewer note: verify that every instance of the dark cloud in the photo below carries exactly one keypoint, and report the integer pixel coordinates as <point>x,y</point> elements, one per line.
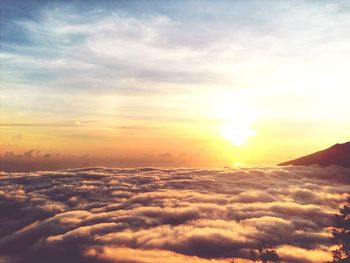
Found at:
<point>26,154</point>
<point>30,153</point>
<point>133,215</point>
<point>34,160</point>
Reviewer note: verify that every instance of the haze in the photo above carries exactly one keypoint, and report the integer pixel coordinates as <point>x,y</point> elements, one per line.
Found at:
<point>185,83</point>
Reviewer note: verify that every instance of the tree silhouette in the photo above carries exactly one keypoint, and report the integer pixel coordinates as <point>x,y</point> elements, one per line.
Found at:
<point>264,254</point>
<point>341,235</point>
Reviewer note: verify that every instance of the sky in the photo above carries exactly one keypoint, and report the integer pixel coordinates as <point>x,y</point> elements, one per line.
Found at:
<point>180,83</point>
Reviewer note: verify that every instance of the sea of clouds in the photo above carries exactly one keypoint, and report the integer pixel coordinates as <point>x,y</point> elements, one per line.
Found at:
<point>169,215</point>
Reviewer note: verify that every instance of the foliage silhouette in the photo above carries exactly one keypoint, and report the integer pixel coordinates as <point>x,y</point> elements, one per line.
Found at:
<point>341,235</point>
<point>264,254</point>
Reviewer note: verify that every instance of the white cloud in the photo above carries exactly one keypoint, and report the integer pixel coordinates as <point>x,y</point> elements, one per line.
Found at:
<point>194,213</point>
<point>283,54</point>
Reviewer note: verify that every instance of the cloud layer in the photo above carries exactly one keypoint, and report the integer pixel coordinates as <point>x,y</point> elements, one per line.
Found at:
<point>153,215</point>
<point>218,47</point>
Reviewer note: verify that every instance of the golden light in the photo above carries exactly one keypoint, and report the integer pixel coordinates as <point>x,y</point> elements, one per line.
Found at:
<point>238,164</point>
<point>236,133</point>
<point>236,126</point>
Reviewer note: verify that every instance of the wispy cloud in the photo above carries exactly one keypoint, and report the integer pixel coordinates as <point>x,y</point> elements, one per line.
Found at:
<point>157,55</point>
<point>165,65</point>
<point>126,52</point>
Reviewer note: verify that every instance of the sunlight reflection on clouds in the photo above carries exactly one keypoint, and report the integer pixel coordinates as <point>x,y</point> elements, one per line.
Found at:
<point>137,215</point>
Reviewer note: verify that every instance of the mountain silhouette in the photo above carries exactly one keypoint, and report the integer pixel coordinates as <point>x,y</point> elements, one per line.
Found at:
<point>338,154</point>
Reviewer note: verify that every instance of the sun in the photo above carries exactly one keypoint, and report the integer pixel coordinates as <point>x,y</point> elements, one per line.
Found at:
<point>236,126</point>
<point>235,133</point>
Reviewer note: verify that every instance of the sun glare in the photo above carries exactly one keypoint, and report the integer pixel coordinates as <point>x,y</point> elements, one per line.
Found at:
<point>236,125</point>
<point>236,133</point>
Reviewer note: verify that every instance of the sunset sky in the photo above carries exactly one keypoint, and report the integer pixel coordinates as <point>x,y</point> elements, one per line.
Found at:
<point>190,83</point>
